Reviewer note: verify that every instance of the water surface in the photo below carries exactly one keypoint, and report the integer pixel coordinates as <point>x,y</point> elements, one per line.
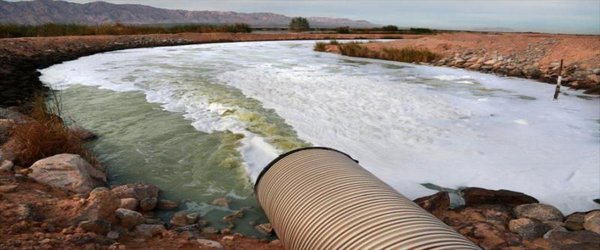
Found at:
<point>201,121</point>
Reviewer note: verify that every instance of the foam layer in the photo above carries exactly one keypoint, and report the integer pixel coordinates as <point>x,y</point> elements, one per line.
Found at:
<point>407,124</point>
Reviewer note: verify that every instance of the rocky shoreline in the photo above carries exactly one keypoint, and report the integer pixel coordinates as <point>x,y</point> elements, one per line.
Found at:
<point>63,201</point>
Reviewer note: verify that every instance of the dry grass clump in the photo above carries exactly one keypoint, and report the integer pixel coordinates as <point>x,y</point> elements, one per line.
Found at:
<point>409,55</point>
<point>320,46</point>
<point>44,136</point>
<point>355,49</point>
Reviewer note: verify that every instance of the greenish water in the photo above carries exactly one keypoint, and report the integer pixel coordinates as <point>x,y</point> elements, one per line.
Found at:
<point>141,142</point>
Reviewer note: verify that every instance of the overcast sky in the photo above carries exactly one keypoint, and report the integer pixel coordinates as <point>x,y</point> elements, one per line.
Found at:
<point>565,16</point>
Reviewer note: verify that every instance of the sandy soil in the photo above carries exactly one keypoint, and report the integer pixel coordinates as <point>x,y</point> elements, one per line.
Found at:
<point>571,48</point>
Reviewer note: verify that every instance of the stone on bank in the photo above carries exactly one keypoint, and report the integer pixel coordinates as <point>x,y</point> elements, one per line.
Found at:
<point>68,172</point>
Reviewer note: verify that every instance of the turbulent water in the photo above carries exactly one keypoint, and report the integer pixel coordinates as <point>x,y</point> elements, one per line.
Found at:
<point>201,121</point>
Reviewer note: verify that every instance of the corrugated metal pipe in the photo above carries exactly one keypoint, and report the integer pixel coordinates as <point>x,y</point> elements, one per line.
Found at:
<point>320,198</point>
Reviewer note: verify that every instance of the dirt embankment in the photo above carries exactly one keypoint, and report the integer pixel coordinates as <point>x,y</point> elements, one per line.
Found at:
<point>534,56</point>
<point>20,58</point>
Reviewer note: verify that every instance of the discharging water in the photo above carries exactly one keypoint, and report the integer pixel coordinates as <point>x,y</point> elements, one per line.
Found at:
<point>201,121</point>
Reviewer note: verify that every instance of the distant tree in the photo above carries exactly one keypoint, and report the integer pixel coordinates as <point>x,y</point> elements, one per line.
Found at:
<point>238,28</point>
<point>391,28</point>
<point>343,30</point>
<point>299,24</point>
<point>421,31</point>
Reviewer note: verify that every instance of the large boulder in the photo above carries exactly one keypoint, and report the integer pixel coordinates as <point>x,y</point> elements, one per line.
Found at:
<point>129,203</point>
<point>592,222</point>
<point>167,205</point>
<point>183,218</point>
<point>101,205</point>
<point>69,172</point>
<point>148,204</point>
<point>95,226</point>
<point>437,204</point>
<point>574,221</point>
<point>146,194</point>
<point>479,196</point>
<point>527,228</point>
<point>149,230</point>
<point>209,244</point>
<point>541,212</point>
<point>129,218</point>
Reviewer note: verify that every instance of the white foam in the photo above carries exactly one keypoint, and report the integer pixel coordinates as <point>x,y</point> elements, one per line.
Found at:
<point>129,71</point>
<point>408,125</point>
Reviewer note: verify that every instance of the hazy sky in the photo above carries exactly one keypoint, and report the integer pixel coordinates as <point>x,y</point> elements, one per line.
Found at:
<point>569,16</point>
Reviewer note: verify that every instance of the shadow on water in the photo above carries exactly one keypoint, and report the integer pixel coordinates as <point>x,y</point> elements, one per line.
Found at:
<point>393,66</point>
<point>354,63</point>
<point>578,95</point>
<point>526,98</point>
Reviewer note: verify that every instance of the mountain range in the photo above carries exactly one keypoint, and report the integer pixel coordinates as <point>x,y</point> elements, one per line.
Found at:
<point>50,11</point>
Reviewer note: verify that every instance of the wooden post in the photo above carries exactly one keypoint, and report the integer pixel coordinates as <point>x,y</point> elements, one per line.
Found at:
<point>558,81</point>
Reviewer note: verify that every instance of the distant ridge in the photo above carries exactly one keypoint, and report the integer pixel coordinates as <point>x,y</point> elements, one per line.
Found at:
<point>49,11</point>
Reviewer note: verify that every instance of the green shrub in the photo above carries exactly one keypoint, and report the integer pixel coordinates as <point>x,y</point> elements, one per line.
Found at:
<point>390,28</point>
<point>299,24</point>
<point>239,28</point>
<point>420,31</point>
<point>343,30</point>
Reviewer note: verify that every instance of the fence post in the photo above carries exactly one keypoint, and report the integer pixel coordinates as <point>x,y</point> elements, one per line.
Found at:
<point>558,81</point>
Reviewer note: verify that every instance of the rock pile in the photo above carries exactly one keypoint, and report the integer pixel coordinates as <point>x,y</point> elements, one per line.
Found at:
<point>525,65</point>
<point>505,219</point>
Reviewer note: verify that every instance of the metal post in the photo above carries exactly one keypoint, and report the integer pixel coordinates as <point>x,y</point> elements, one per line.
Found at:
<point>558,81</point>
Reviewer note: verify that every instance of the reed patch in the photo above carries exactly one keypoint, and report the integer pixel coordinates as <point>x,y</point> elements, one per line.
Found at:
<point>46,135</point>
